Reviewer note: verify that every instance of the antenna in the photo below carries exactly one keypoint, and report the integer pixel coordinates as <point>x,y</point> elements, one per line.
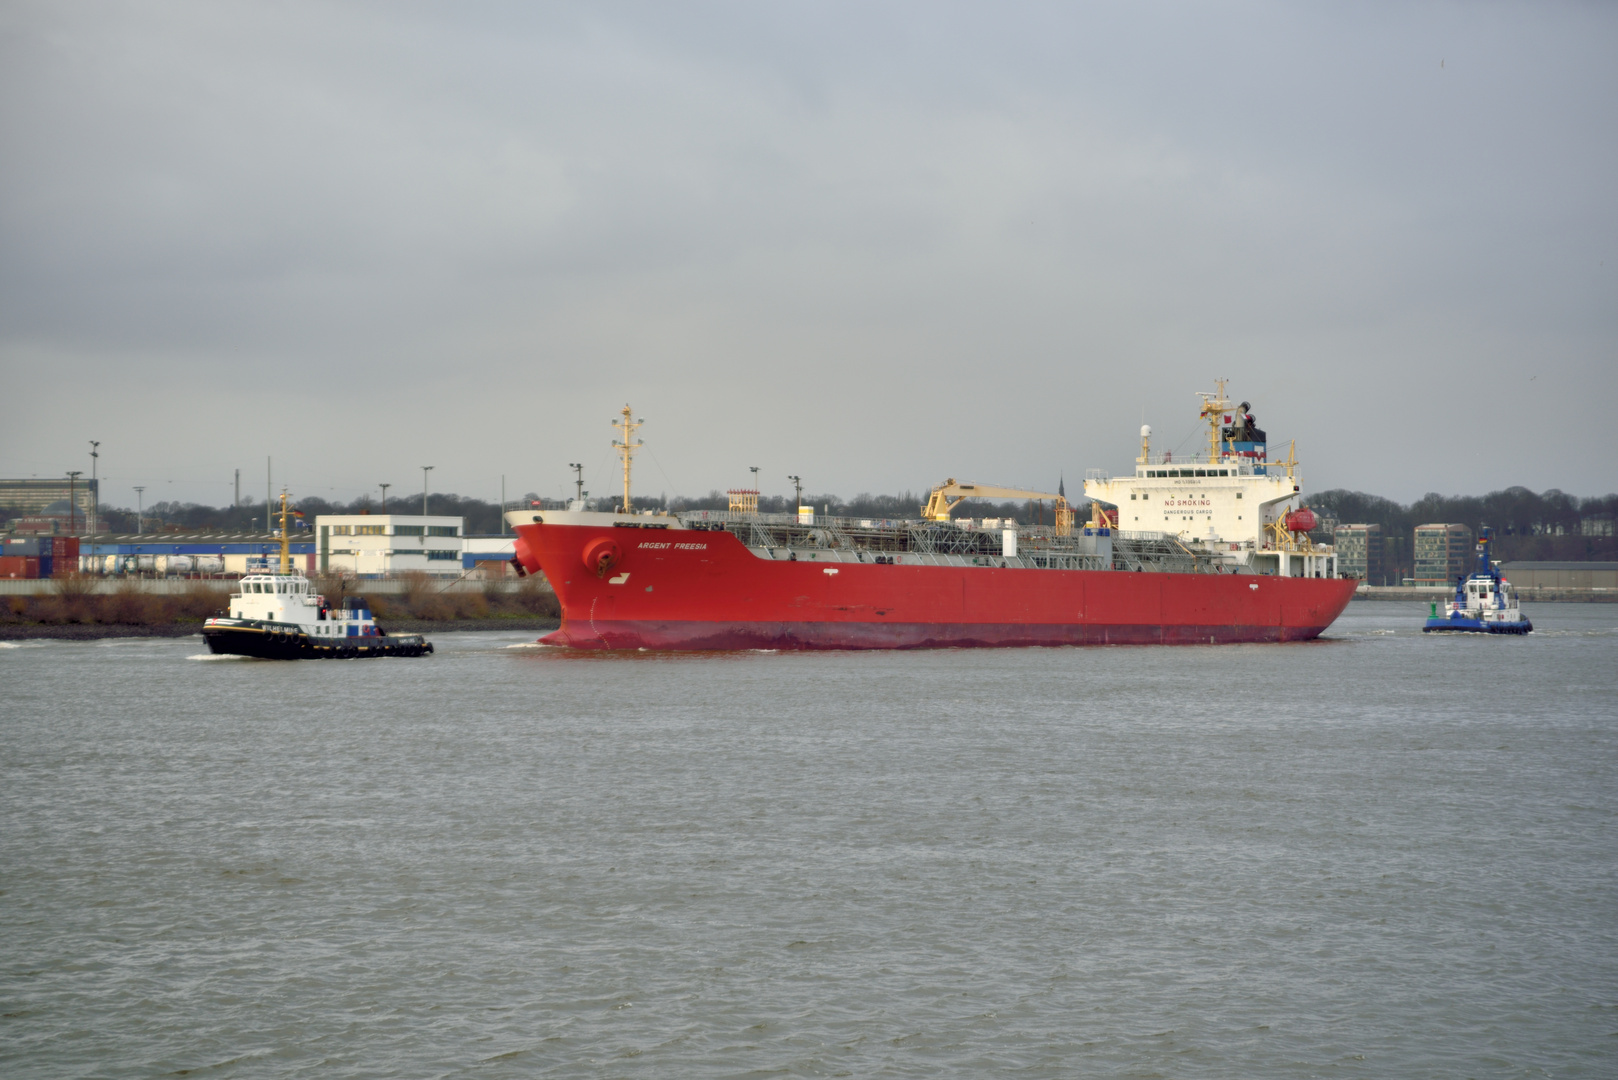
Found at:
<point>626,447</point>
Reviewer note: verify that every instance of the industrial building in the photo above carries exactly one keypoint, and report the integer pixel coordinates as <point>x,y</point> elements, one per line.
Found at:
<point>372,545</point>
<point>1596,576</point>
<point>488,556</point>
<point>1359,552</point>
<point>192,553</point>
<point>1442,553</point>
<point>47,499</point>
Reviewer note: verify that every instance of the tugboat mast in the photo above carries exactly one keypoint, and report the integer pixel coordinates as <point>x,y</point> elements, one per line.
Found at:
<point>286,548</point>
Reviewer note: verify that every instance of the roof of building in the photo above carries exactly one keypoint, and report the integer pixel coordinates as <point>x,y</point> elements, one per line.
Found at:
<point>1559,566</point>
<point>198,537</point>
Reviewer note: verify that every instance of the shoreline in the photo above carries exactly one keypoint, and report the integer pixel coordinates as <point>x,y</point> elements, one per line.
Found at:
<point>98,631</point>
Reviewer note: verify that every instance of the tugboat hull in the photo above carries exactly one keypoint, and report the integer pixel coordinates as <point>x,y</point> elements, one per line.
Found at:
<point>1476,626</point>
<point>270,642</point>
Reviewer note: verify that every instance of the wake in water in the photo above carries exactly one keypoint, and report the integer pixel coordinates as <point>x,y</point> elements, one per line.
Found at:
<point>218,656</point>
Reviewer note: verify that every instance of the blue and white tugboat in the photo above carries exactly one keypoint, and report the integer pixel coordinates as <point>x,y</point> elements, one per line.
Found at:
<point>278,616</point>
<point>1485,602</point>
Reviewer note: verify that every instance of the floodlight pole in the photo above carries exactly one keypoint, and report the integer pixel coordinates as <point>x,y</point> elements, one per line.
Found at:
<point>72,499</point>
<point>384,488</point>
<point>425,469</point>
<point>95,488</point>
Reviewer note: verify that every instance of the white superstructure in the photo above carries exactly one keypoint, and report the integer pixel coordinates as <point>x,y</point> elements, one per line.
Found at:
<point>290,600</point>
<point>1229,501</point>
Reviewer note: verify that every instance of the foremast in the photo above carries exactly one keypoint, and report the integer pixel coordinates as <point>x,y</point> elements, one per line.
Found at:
<point>626,445</point>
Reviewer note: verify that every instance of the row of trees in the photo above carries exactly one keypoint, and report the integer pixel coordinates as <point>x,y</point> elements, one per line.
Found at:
<point>484,517</point>
<point>1548,526</point>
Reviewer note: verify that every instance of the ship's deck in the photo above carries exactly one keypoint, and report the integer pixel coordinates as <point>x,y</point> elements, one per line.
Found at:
<point>915,542</point>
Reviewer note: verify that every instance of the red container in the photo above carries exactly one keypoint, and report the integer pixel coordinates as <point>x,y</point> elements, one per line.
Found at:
<point>64,555</point>
<point>18,566</point>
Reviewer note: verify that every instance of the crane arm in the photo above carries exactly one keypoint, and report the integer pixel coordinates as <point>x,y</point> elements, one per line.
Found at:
<point>952,492</point>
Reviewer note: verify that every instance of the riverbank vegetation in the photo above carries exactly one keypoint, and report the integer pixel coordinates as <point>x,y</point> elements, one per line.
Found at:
<point>73,603</point>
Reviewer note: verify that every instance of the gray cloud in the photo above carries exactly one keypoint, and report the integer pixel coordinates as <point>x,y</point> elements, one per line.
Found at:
<point>871,244</point>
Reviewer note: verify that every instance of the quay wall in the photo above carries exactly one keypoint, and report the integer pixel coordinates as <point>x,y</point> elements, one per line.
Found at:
<point>178,586</point>
<point>1537,595</point>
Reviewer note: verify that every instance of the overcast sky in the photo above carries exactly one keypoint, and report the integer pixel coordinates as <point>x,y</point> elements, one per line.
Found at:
<point>873,244</point>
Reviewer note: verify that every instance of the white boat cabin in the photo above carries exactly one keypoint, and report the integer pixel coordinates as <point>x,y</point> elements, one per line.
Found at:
<point>290,598</point>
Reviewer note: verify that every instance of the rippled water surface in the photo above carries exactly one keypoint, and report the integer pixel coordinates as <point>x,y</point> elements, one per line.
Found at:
<point>1381,854</point>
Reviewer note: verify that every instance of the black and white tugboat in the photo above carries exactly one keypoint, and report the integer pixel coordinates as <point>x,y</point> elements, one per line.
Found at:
<point>278,616</point>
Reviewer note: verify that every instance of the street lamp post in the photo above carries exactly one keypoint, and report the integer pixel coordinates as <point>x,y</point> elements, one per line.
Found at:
<point>425,469</point>
<point>73,500</point>
<point>139,506</point>
<point>95,492</point>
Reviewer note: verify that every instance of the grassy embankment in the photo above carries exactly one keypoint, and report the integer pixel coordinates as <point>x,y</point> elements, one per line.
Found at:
<point>73,610</point>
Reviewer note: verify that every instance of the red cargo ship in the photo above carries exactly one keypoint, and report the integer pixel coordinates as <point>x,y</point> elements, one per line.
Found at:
<point>745,580</point>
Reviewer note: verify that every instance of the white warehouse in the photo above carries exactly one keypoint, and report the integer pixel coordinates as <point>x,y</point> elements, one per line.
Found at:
<point>370,545</point>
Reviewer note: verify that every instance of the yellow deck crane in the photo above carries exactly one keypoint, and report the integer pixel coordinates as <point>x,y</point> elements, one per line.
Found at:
<point>952,492</point>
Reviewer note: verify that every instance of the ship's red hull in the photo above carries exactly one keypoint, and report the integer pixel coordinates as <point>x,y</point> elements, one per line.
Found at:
<point>684,589</point>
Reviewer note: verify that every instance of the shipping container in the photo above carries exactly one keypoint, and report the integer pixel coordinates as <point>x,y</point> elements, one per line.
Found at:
<point>18,566</point>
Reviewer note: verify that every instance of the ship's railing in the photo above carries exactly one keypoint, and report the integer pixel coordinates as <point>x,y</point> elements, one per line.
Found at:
<point>688,518</point>
<point>1038,546</point>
